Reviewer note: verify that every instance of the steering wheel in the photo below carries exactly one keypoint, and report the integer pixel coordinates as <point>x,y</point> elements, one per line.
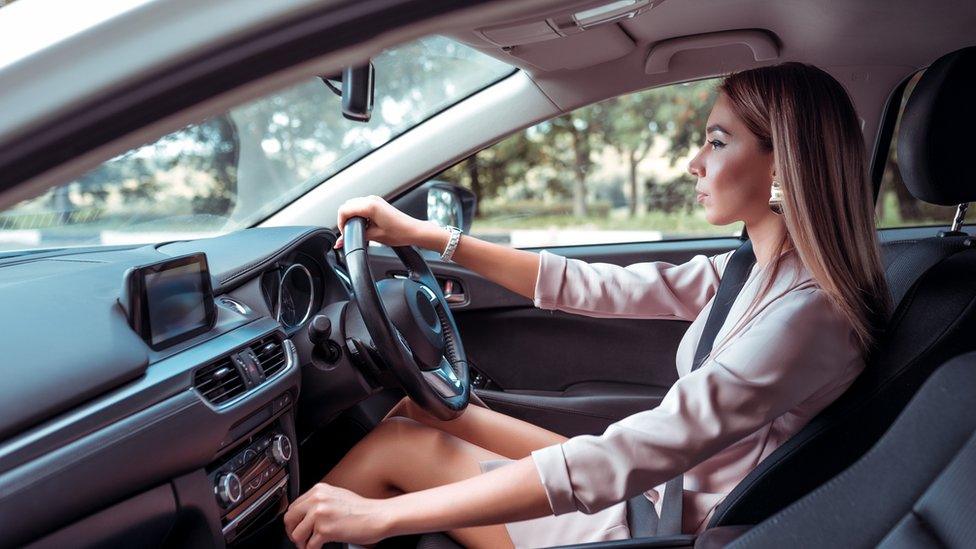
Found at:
<point>411,325</point>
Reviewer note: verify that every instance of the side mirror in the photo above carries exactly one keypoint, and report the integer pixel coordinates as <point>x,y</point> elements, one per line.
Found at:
<point>357,91</point>
<point>441,202</point>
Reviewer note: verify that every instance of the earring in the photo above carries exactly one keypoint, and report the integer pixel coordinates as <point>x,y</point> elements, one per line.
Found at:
<point>776,198</point>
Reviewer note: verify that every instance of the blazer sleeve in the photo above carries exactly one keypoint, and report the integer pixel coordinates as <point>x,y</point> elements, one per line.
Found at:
<point>769,370</point>
<point>652,290</point>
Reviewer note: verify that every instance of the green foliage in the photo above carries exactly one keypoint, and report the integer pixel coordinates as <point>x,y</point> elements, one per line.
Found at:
<point>555,160</point>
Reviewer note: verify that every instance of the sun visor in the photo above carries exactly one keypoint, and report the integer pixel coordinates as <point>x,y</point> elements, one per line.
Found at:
<point>539,45</point>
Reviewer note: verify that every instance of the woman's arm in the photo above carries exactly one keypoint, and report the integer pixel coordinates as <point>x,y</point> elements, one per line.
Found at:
<point>508,267</point>
<point>643,290</point>
<point>507,494</point>
<point>800,348</point>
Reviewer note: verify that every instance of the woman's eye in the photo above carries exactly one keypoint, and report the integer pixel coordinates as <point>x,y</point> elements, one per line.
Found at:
<point>716,144</point>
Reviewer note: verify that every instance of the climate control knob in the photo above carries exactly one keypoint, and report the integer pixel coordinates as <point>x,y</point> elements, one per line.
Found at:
<point>229,489</point>
<point>281,449</point>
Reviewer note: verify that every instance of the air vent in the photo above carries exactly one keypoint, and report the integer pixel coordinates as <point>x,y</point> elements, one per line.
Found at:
<point>219,382</point>
<point>270,355</point>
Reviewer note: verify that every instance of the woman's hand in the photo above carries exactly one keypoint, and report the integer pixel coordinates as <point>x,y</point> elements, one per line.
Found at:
<point>329,513</point>
<point>387,225</point>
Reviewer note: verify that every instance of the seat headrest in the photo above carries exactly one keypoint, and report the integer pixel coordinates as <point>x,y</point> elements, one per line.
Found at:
<point>935,138</point>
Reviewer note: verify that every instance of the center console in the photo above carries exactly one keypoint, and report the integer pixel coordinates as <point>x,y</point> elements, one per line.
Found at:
<point>256,478</point>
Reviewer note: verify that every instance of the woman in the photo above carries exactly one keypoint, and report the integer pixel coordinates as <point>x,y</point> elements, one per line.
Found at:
<point>783,154</point>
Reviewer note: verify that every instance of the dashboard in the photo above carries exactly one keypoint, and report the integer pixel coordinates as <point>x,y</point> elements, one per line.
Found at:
<point>189,435</point>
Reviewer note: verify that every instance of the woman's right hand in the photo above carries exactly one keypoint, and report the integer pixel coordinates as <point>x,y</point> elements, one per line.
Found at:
<point>387,225</point>
<point>514,269</point>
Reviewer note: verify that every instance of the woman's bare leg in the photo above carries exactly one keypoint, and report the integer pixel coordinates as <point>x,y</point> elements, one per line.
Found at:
<point>401,455</point>
<point>491,430</point>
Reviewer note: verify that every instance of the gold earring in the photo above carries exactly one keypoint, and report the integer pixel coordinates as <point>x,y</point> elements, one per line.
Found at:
<point>776,198</point>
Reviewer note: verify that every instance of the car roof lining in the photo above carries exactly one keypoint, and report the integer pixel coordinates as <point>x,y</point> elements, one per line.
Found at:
<point>845,34</point>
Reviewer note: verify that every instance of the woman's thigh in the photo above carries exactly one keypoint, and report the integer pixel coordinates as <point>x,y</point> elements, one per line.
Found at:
<point>401,455</point>
<point>491,430</point>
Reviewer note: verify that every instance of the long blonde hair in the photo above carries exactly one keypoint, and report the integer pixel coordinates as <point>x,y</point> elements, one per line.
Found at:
<point>805,117</point>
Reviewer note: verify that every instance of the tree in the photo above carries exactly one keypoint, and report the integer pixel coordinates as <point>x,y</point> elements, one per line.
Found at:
<point>568,143</point>
<point>629,129</point>
<point>676,113</point>
<point>495,168</point>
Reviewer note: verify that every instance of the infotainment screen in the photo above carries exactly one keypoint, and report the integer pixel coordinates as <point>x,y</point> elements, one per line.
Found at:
<point>170,301</point>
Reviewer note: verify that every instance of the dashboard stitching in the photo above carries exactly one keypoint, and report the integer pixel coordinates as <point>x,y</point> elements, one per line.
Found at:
<point>256,264</point>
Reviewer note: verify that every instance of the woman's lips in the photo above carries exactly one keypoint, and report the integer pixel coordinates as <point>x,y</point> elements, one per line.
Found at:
<point>701,197</point>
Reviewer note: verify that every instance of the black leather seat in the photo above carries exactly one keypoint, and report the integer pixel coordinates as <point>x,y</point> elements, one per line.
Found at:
<point>935,315</point>
<point>914,488</point>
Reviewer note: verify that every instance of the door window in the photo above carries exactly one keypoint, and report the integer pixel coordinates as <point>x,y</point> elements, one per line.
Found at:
<point>614,171</point>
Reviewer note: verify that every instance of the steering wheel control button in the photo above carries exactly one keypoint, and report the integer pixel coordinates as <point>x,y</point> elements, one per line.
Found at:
<point>229,489</point>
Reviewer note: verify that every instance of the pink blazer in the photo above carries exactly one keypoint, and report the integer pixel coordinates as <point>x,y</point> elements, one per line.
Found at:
<point>766,377</point>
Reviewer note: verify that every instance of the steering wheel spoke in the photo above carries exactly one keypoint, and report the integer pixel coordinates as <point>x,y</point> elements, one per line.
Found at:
<point>444,380</point>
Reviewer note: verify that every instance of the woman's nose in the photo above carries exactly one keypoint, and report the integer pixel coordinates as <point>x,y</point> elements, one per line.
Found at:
<point>695,166</point>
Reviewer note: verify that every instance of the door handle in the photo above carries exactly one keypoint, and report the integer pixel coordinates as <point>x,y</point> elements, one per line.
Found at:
<point>453,291</point>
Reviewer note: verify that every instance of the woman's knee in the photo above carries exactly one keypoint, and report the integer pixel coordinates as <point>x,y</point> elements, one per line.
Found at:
<point>371,455</point>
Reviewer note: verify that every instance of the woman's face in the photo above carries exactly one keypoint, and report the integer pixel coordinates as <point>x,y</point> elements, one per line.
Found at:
<point>734,172</point>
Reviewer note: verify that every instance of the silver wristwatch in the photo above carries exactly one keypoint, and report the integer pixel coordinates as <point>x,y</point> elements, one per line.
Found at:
<point>452,244</point>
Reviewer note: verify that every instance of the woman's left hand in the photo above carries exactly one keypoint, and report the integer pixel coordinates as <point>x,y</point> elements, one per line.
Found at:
<point>329,513</point>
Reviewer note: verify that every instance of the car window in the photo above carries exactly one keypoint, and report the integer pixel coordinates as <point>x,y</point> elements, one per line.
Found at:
<point>610,172</point>
<point>235,169</point>
<point>896,207</point>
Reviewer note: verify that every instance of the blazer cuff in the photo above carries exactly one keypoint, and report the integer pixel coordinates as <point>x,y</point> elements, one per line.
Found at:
<point>551,465</point>
<point>549,280</point>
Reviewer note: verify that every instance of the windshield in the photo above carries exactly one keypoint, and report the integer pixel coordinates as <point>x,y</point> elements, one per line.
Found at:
<point>235,169</point>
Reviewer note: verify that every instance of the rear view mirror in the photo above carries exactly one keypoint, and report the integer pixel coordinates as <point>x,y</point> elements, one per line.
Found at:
<point>357,91</point>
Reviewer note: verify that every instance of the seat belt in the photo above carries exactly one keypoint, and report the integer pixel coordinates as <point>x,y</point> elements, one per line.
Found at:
<point>733,279</point>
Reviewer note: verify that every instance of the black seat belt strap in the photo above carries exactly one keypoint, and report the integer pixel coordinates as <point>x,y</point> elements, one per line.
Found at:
<point>733,279</point>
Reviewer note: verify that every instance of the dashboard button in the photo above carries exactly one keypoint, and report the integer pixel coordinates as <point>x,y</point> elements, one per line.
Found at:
<point>281,449</point>
<point>229,489</point>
